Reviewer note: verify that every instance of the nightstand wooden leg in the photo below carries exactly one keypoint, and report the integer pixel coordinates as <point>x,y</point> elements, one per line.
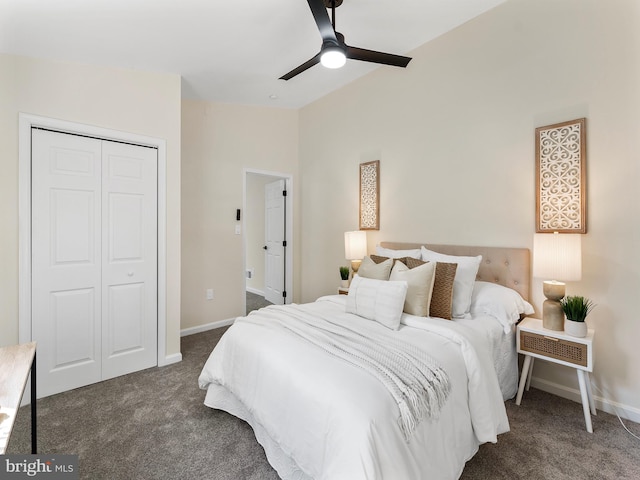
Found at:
<point>585,400</point>
<point>592,403</point>
<point>523,377</point>
<point>530,374</point>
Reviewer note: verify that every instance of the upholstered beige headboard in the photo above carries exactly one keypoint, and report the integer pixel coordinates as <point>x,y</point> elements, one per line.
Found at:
<point>510,267</point>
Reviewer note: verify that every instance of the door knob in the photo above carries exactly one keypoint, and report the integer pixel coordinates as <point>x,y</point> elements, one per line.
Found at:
<point>265,247</point>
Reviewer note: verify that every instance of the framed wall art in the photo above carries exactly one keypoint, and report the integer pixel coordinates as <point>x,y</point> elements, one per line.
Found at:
<point>561,200</point>
<point>370,195</point>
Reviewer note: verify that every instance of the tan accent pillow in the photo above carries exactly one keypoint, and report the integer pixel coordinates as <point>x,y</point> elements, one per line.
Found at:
<point>442,296</point>
<point>420,285</point>
<point>379,271</point>
<point>412,262</point>
<point>379,259</point>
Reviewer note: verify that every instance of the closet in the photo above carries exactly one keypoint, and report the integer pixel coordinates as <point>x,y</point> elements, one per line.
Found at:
<point>94,265</point>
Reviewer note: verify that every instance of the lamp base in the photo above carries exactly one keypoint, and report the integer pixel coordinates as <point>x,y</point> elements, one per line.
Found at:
<point>552,315</point>
<point>355,265</point>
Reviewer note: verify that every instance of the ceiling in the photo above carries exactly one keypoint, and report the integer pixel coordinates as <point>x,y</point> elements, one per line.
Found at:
<point>232,51</point>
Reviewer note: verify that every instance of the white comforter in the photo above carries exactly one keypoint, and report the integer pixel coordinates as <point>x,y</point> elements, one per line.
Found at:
<point>320,418</point>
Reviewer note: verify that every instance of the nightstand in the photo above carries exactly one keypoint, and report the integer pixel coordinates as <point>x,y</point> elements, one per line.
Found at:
<point>534,341</point>
<point>343,290</point>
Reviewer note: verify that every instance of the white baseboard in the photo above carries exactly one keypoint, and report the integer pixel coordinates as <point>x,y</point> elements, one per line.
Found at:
<point>169,359</point>
<point>609,406</point>
<point>203,328</point>
<point>255,290</point>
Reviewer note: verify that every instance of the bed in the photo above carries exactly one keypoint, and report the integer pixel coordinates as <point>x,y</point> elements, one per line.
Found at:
<point>332,392</point>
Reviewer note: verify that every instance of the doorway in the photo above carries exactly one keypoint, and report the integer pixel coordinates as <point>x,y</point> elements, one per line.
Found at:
<point>268,249</point>
<point>122,149</point>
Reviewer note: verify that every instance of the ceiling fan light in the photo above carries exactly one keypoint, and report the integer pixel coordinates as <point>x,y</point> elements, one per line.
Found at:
<point>333,57</point>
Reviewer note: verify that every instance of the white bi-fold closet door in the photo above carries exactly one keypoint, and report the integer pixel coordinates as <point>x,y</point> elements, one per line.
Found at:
<point>93,259</point>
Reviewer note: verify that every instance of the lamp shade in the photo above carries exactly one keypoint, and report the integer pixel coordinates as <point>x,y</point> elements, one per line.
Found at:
<point>557,256</point>
<point>355,245</point>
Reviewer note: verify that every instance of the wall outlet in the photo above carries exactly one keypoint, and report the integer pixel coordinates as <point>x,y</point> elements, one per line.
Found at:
<point>209,293</point>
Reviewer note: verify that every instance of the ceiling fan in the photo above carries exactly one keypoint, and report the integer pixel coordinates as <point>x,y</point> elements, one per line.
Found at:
<point>334,51</point>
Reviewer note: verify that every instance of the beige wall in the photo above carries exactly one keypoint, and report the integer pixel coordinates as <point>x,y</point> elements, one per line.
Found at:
<point>218,142</point>
<point>455,136</point>
<point>130,101</point>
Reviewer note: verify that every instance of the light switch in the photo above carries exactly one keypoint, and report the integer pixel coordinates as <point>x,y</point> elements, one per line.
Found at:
<point>237,229</point>
<point>209,293</point>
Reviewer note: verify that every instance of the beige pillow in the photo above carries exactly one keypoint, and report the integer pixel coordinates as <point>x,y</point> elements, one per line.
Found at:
<point>377,271</point>
<point>420,285</point>
<point>442,296</point>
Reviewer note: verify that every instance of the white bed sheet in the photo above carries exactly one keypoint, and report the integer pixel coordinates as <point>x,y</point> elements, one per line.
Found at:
<point>503,348</point>
<point>319,418</point>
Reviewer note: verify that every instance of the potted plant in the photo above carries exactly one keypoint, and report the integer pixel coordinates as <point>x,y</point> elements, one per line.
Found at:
<point>344,275</point>
<point>576,308</point>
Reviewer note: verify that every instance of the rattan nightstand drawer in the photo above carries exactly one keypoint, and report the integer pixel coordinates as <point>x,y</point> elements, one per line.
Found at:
<point>559,349</point>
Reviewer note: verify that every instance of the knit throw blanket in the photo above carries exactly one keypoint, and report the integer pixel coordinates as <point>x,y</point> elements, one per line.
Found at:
<point>418,386</point>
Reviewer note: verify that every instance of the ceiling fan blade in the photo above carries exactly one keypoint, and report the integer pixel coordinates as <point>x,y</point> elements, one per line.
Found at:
<point>377,57</point>
<point>323,21</point>
<point>306,65</point>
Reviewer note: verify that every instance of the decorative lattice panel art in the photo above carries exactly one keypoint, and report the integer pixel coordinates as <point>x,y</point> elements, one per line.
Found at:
<point>370,195</point>
<point>560,177</point>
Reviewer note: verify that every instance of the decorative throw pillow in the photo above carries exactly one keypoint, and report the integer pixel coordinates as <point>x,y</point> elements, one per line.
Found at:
<point>391,253</point>
<point>465,278</point>
<point>378,300</point>
<point>503,303</point>
<point>442,296</point>
<point>378,259</point>
<point>379,271</point>
<point>420,285</point>
<point>412,262</point>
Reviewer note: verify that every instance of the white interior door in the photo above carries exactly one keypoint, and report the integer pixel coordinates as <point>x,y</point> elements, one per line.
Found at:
<point>129,258</point>
<point>66,260</point>
<point>274,223</point>
<point>94,260</point>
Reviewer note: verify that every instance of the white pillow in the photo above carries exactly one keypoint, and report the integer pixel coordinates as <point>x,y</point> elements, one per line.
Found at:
<point>503,303</point>
<point>379,271</point>
<point>391,253</point>
<point>420,286</point>
<point>463,282</point>
<point>378,300</point>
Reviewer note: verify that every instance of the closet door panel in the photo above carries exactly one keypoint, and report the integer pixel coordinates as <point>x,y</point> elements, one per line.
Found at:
<point>66,260</point>
<point>129,258</point>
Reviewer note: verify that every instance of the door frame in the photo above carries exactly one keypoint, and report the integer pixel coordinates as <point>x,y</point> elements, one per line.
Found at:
<point>25,123</point>
<point>288,180</point>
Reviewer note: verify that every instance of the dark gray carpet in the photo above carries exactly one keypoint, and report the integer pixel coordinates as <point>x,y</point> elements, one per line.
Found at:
<point>254,302</point>
<point>153,425</point>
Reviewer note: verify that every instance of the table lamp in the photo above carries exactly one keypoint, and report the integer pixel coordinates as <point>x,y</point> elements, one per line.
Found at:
<point>557,256</point>
<point>355,248</point>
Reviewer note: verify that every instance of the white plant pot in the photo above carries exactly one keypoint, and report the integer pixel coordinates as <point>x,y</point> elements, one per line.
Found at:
<point>344,283</point>
<point>575,329</point>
